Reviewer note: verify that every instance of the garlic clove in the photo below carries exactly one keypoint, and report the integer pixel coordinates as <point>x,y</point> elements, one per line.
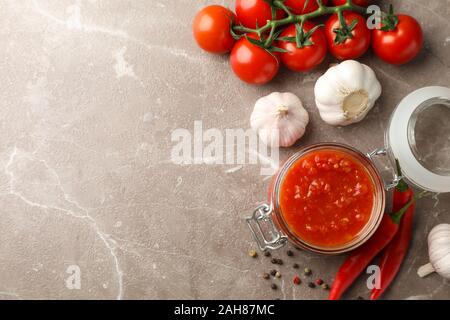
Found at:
<point>333,117</point>
<point>294,129</point>
<point>351,75</point>
<point>371,84</point>
<point>327,95</point>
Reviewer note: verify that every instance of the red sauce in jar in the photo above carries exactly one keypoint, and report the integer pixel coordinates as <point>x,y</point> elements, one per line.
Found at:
<point>326,198</point>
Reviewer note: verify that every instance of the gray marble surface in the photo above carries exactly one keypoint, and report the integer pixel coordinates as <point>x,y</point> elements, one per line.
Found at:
<point>90,93</point>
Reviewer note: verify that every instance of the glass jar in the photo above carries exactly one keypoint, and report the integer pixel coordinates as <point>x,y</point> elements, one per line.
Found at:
<point>405,141</point>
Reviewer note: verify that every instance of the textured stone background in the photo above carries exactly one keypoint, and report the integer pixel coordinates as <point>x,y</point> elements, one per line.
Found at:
<point>90,93</point>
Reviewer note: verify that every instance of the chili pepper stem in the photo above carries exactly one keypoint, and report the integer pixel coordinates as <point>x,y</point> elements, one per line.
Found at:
<point>397,216</point>
<point>402,186</point>
<point>425,270</point>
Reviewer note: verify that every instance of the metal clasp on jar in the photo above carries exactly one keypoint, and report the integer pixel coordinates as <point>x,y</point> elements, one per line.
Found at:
<point>396,178</point>
<point>262,215</point>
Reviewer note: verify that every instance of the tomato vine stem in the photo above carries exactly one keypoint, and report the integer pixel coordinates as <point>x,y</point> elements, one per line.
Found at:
<point>273,25</point>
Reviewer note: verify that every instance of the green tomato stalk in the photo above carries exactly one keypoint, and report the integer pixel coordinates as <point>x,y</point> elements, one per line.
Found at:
<point>273,25</point>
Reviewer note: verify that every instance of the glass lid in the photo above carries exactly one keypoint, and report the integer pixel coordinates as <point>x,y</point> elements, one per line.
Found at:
<point>419,137</point>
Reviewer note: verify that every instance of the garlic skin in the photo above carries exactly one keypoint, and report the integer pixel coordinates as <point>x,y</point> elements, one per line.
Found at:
<point>438,251</point>
<point>279,119</point>
<point>346,93</point>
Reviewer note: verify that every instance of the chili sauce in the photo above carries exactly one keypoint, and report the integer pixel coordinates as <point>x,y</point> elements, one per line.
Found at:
<point>326,198</point>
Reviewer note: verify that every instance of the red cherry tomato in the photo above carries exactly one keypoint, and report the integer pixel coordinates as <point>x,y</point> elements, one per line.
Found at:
<point>249,12</point>
<point>307,57</point>
<point>361,3</point>
<point>298,6</point>
<point>350,48</point>
<point>252,63</point>
<point>211,29</point>
<point>400,45</point>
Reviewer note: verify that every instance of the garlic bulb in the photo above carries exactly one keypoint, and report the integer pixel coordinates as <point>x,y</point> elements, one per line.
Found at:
<point>346,93</point>
<point>279,119</point>
<point>438,251</point>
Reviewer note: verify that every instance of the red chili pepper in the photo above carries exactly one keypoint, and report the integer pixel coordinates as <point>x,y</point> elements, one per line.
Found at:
<point>358,259</point>
<point>402,195</point>
<point>402,192</point>
<point>395,252</point>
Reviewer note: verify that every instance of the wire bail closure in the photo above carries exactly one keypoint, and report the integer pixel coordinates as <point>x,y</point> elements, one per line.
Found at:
<point>260,216</point>
<point>396,179</point>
